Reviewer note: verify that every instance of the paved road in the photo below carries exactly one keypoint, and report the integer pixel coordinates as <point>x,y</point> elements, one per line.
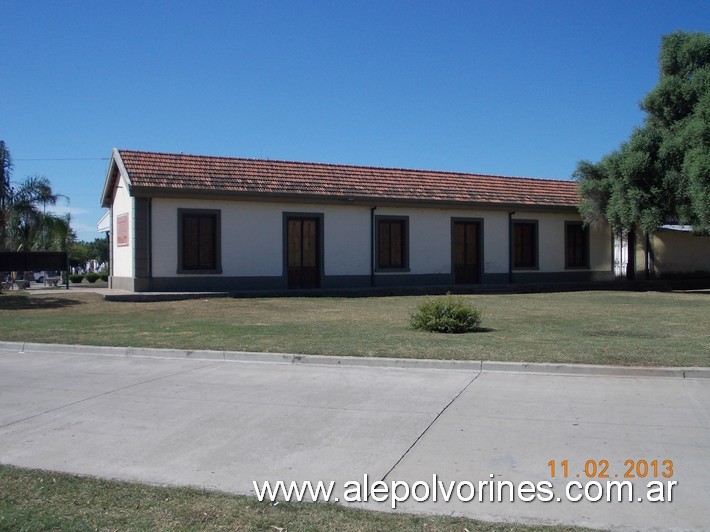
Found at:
<point>224,424</point>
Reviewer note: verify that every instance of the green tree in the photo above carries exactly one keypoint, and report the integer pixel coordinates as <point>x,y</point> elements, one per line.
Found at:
<point>29,227</point>
<point>662,173</point>
<point>24,223</point>
<point>81,251</point>
<point>98,249</point>
<point>58,234</point>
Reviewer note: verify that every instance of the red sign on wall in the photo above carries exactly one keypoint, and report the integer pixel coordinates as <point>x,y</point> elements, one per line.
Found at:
<point>122,230</point>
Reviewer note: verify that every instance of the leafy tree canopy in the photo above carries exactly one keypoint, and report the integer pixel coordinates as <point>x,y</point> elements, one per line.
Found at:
<point>662,173</point>
<point>81,251</point>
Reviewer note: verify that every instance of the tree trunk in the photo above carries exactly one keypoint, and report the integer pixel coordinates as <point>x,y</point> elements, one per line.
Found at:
<point>631,250</point>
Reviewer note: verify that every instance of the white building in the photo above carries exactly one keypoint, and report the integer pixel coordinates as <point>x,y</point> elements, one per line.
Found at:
<point>185,222</point>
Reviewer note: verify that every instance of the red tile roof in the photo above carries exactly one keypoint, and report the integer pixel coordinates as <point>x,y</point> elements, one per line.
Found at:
<point>178,172</point>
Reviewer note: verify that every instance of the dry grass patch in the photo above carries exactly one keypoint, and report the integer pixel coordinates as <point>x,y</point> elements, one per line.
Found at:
<point>627,328</point>
<point>38,500</point>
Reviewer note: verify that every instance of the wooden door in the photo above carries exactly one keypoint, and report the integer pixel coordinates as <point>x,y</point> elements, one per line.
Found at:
<point>303,261</point>
<point>467,266</point>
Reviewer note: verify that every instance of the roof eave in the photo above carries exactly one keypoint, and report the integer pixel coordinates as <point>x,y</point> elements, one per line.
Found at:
<point>115,167</point>
<point>369,201</point>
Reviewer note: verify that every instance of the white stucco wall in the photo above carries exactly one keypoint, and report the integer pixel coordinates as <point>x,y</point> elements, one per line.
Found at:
<point>122,256</point>
<point>429,251</point>
<point>347,240</point>
<point>252,238</point>
<point>551,236</point>
<point>601,251</point>
<point>430,238</point>
<point>551,240</point>
<point>495,240</point>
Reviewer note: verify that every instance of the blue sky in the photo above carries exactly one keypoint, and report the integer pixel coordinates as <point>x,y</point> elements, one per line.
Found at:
<point>501,87</point>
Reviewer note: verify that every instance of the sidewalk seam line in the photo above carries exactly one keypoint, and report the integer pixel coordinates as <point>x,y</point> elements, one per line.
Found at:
<point>433,421</point>
<point>103,394</point>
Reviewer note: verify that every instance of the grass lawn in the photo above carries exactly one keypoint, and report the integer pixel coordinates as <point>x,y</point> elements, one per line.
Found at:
<point>36,500</point>
<point>629,328</point>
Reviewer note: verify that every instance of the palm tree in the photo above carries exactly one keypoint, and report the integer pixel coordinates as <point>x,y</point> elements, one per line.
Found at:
<point>27,225</point>
<point>24,222</point>
<point>5,191</point>
<point>58,233</point>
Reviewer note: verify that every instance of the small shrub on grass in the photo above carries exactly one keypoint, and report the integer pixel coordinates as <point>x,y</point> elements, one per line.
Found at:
<point>76,279</point>
<point>92,277</point>
<point>104,277</point>
<point>450,314</point>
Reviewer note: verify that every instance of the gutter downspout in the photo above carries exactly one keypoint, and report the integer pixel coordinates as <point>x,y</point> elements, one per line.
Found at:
<point>510,247</point>
<point>108,254</point>
<point>149,236</point>
<point>372,247</point>
<point>111,234</point>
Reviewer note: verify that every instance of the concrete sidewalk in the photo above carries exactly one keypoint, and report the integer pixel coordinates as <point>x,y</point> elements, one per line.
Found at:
<point>223,424</point>
<point>382,362</point>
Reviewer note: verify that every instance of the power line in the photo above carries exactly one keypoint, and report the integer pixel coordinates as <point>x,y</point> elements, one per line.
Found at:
<point>68,159</point>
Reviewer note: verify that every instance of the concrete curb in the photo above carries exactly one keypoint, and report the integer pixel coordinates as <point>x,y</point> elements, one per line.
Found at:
<point>590,369</point>
<point>287,358</point>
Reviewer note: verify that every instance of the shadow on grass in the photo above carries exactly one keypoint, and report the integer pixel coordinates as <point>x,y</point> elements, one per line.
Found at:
<point>702,292</point>
<point>626,333</point>
<point>475,331</point>
<point>12,302</point>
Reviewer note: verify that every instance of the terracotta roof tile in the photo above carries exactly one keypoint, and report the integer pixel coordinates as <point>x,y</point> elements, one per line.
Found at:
<point>255,176</point>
